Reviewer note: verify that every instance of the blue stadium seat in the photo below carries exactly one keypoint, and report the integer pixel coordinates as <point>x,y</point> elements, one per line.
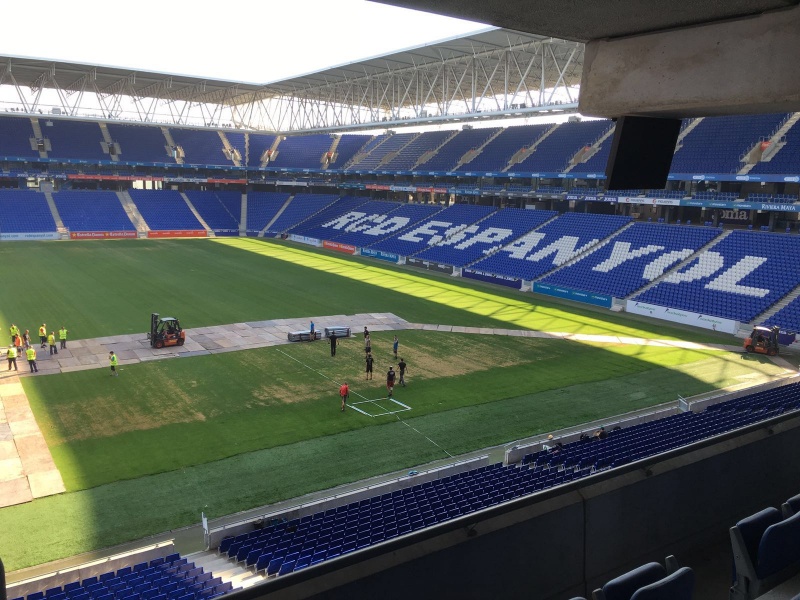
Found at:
<point>791,506</point>
<point>766,551</point>
<point>627,584</point>
<point>677,586</point>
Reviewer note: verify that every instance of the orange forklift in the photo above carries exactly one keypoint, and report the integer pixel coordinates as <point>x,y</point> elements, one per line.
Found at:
<point>763,340</point>
<point>165,332</point>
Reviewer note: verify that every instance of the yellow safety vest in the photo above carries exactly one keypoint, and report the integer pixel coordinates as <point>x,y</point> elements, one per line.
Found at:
<point>62,334</point>
<point>42,332</point>
<point>114,360</point>
<point>12,352</point>
<point>30,353</point>
<point>51,339</point>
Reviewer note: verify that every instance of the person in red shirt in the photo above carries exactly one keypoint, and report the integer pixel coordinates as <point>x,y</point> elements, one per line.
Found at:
<point>344,392</point>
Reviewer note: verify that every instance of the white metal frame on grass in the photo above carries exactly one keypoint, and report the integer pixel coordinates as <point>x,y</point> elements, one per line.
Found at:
<point>364,400</point>
<point>354,406</point>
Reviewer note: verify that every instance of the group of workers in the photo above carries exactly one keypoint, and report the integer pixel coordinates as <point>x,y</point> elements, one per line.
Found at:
<point>21,342</point>
<point>391,375</point>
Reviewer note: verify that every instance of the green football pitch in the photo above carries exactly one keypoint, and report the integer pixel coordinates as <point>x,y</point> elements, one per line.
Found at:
<point>148,451</point>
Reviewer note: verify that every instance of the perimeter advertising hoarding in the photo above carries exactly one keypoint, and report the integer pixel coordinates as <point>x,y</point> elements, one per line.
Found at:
<point>226,181</point>
<point>114,177</point>
<point>682,316</point>
<point>380,254</point>
<point>431,266</point>
<point>339,247</point>
<point>44,235</point>
<point>179,233</point>
<point>560,291</point>
<point>101,235</point>
<point>304,240</point>
<point>492,278</point>
<point>651,201</point>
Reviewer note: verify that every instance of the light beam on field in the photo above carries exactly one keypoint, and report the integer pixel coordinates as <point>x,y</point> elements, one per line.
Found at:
<point>520,313</point>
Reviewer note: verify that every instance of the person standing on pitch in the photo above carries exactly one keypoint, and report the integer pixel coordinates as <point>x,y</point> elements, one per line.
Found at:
<point>366,332</point>
<point>344,392</point>
<point>313,335</point>
<point>43,335</point>
<point>369,361</point>
<point>26,339</point>
<point>390,381</point>
<point>14,331</point>
<point>62,335</point>
<point>51,340</point>
<point>402,366</point>
<point>395,345</point>
<point>30,353</point>
<point>12,358</point>
<point>112,358</point>
<point>333,344</point>
<point>18,344</point>
<point>367,344</point>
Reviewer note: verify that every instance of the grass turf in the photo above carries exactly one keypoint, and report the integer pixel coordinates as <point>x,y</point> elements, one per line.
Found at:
<point>160,416</point>
<point>101,288</point>
<point>86,520</point>
<point>199,425</point>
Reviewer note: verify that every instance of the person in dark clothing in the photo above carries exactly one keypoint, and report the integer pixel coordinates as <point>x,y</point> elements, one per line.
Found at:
<point>333,345</point>
<point>369,360</point>
<point>402,366</point>
<point>390,381</point>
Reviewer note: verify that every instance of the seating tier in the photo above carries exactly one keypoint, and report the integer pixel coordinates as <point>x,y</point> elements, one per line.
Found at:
<point>550,246</point>
<point>634,258</point>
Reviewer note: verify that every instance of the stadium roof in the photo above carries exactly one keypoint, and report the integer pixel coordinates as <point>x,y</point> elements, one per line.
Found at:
<point>37,73</point>
<point>73,77</point>
<point>479,43</point>
<point>595,19</point>
<point>643,55</point>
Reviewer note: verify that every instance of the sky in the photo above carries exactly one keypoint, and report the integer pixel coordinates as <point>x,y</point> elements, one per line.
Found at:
<point>238,40</point>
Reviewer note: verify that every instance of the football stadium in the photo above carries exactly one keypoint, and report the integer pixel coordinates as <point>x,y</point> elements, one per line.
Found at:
<point>506,315</point>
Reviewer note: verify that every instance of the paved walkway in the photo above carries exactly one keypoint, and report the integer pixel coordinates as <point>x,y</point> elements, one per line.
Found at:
<point>135,348</point>
<point>27,470</point>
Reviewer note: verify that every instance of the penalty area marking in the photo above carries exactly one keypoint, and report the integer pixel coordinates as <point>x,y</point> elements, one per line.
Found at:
<point>364,399</point>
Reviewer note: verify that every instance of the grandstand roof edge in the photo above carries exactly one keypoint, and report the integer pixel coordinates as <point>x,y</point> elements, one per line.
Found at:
<point>51,73</point>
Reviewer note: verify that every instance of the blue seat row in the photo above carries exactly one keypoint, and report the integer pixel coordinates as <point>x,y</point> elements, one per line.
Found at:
<point>551,245</point>
<point>650,582</point>
<point>737,278</point>
<point>634,258</point>
<point>766,550</point>
<point>167,578</point>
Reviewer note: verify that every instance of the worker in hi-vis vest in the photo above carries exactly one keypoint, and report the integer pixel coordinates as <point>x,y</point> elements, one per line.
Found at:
<point>30,353</point>
<point>12,358</point>
<point>51,340</point>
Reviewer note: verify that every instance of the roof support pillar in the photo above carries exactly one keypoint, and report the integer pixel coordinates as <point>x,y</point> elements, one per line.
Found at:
<point>747,65</point>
